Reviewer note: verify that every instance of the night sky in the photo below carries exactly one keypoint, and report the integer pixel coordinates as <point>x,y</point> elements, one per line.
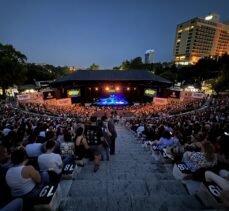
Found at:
<point>106,32</point>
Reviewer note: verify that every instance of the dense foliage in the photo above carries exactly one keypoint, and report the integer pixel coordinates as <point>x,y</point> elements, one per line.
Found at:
<point>15,71</point>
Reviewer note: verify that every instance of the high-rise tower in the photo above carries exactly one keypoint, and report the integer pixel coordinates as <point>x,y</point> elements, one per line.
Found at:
<point>199,38</point>
<point>149,54</point>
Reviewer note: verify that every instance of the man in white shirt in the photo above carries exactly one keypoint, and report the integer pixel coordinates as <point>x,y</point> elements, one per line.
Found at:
<point>50,161</point>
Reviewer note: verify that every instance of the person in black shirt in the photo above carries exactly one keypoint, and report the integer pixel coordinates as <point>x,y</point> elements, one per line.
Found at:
<point>95,138</point>
<point>113,134</point>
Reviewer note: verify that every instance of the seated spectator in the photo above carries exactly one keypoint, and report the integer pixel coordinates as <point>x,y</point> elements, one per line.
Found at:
<point>60,134</point>
<point>50,161</point>
<point>196,142</point>
<point>5,195</point>
<point>5,161</point>
<point>175,151</point>
<point>67,147</point>
<point>140,129</point>
<point>20,178</point>
<point>33,149</point>
<point>222,144</point>
<point>204,159</point>
<point>165,141</point>
<point>6,130</point>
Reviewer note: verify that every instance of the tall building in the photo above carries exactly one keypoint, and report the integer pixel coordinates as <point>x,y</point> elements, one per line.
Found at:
<point>199,38</point>
<point>149,54</point>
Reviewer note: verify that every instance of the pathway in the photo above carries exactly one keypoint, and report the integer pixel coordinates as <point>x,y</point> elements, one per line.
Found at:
<point>128,182</point>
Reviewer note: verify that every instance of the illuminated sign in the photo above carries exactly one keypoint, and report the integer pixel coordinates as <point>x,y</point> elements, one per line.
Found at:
<point>74,93</point>
<point>49,95</point>
<point>150,92</point>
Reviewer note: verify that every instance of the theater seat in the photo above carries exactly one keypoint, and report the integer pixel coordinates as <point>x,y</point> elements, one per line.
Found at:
<point>49,198</point>
<point>209,194</point>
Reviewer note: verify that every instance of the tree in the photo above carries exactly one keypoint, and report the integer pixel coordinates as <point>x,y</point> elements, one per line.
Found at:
<point>36,72</point>
<point>169,75</point>
<point>222,81</point>
<point>157,68</point>
<point>136,63</point>
<point>93,67</point>
<point>125,65</point>
<point>115,68</point>
<point>12,67</point>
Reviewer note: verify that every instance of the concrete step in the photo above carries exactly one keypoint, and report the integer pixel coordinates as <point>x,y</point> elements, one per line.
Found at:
<point>126,187</point>
<point>120,175</point>
<point>131,203</point>
<point>129,181</point>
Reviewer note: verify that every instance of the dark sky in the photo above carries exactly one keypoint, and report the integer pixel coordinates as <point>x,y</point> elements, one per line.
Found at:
<point>106,32</point>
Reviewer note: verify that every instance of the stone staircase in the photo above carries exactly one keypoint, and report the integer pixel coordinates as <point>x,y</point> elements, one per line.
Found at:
<point>129,181</point>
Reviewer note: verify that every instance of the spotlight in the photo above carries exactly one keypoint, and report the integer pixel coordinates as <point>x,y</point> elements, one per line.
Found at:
<point>96,88</point>
<point>107,88</point>
<point>117,88</point>
<point>128,88</point>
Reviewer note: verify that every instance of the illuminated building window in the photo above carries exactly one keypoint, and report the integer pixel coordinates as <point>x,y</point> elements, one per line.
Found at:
<point>186,29</point>
<point>179,31</point>
<point>182,63</point>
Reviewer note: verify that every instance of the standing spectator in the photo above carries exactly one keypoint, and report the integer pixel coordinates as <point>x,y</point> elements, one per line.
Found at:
<point>103,124</point>
<point>112,129</point>
<point>81,145</point>
<point>95,138</point>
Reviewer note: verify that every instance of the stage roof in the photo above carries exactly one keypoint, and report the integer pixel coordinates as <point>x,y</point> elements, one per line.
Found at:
<point>112,75</point>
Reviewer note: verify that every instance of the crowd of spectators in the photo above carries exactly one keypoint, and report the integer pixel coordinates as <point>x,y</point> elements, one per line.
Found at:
<point>198,139</point>
<point>35,146</point>
<point>38,138</point>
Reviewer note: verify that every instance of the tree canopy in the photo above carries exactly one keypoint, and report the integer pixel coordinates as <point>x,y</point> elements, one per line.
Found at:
<point>221,83</point>
<point>15,71</point>
<point>93,67</point>
<point>204,69</point>
<point>12,67</point>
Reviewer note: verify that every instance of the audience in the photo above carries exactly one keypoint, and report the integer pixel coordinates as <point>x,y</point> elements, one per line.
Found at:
<point>186,128</point>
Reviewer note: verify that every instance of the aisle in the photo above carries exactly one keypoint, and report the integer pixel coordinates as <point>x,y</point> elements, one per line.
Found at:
<point>128,182</point>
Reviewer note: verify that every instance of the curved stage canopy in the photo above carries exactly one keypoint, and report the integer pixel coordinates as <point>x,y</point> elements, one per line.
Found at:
<point>112,75</point>
<point>88,86</point>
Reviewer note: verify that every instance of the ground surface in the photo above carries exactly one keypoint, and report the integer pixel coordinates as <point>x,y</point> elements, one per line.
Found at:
<point>129,181</point>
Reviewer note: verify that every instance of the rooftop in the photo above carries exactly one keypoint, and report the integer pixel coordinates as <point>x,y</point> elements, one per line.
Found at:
<point>112,75</point>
